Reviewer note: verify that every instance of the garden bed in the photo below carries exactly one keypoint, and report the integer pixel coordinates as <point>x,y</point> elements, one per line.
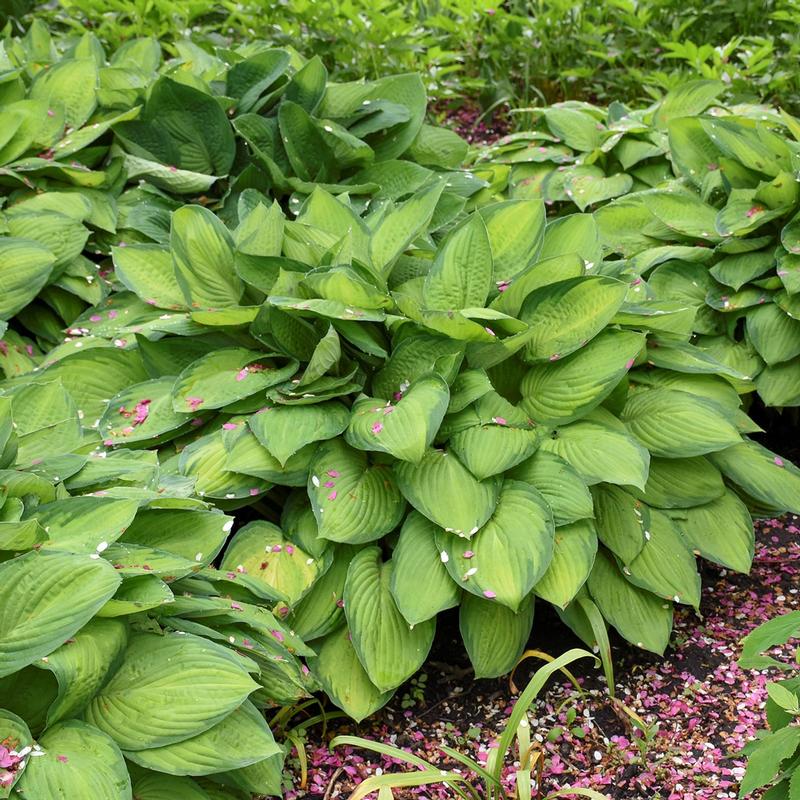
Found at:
<point>705,707</point>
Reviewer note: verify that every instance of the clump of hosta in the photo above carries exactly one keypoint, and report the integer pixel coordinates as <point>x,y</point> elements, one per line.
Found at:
<point>705,205</point>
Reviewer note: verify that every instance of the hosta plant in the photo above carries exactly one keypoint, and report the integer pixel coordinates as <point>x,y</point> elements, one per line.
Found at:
<point>705,208</point>
<point>774,758</point>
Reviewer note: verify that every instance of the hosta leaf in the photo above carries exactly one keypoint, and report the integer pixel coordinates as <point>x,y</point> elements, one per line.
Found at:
<point>344,680</point>
<point>767,478</point>
<point>444,491</point>
<point>404,429</point>
<point>70,84</point>
<point>389,649</point>
<point>461,274</point>
<point>600,450</point>
<point>720,531</point>
<point>779,385</point>
<point>516,232</point>
<point>562,391</point>
<point>575,547</point>
<point>137,593</point>
<point>25,266</point>
<point>148,703</point>
<point>493,635</point>
<point>774,334</point>
<point>202,252</point>
<point>263,552</point>
<point>640,617</point>
<point>242,738</point>
<point>46,598</point>
<point>559,483</point>
<point>77,761</point>
<point>666,565</point>
<point>246,455</point>
<point>677,424</point>
<point>147,270</point>
<point>417,561</point>
<point>225,376</point>
<point>285,430</point>
<point>352,502</point>
<point>621,521</point>
<point>682,483</point>
<point>563,316</point>
<point>157,786</point>
<point>511,551</point>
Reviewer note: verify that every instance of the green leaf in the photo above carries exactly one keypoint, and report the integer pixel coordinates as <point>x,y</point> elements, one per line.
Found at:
<point>405,429</point>
<point>352,502</point>
<point>389,649</point>
<point>47,598</point>
<point>574,551</point>
<point>444,491</point>
<point>640,617</point>
<point>621,521</point>
<point>202,253</point>
<point>774,334</point>
<point>418,562</point>
<point>157,786</point>
<point>682,483</point>
<point>493,635</point>
<point>25,267</point>
<point>70,84</point>
<point>766,758</point>
<point>148,703</point>
<point>509,554</point>
<point>147,270</point>
<point>77,761</point>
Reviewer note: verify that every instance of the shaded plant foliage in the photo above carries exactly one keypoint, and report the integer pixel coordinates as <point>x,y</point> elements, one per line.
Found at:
<point>230,283</point>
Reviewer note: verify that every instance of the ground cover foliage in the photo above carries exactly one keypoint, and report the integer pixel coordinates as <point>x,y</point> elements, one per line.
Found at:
<point>235,289</point>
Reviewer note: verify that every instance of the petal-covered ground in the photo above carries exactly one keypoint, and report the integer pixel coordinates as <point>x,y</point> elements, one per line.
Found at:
<point>698,707</point>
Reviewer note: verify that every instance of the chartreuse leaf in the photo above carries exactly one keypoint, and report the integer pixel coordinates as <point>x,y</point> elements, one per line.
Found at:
<point>563,316</point>
<point>767,478</point>
<point>157,786</point>
<point>78,761</point>
<point>389,649</point>
<point>202,253</point>
<point>682,482</point>
<point>404,429</point>
<point>225,376</point>
<point>720,531</point>
<point>493,634</point>
<point>562,391</point>
<point>774,334</point>
<point>765,758</point>
<point>285,430</point>
<point>344,679</point>
<point>264,552</point>
<point>240,739</point>
<point>46,598</point>
<point>509,554</point>
<point>559,483</point>
<point>148,703</point>
<point>677,424</point>
<point>147,270</point>
<point>418,562</point>
<point>70,84</point>
<point>621,521</point>
<point>137,593</point>
<point>444,491</point>
<point>25,266</point>
<point>352,502</point>
<point>246,455</point>
<point>516,233</point>
<point>640,617</point>
<point>574,550</point>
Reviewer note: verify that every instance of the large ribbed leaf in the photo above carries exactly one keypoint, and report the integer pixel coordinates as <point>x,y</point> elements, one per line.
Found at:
<point>284,430</point>
<point>77,761</point>
<point>417,561</point>
<point>202,252</point>
<point>225,376</point>
<point>600,449</point>
<point>157,786</point>
<point>344,680</point>
<point>559,483</point>
<point>769,479</point>
<point>262,551</point>
<point>149,703</point>
<point>563,316</point>
<point>677,424</point>
<point>241,739</point>
<point>575,547</point>
<point>442,489</point>
<point>461,274</point>
<point>389,649</point>
<point>494,636</point>
<point>774,334</point>
<point>248,456</point>
<point>404,429</point>
<point>46,598</point>
<point>622,521</point>
<point>639,616</point>
<point>666,565</point>
<point>562,391</point>
<point>720,531</point>
<point>25,266</point>
<point>511,551</point>
<point>516,233</point>
<point>82,664</point>
<point>147,270</point>
<point>352,502</point>
<point>682,482</point>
